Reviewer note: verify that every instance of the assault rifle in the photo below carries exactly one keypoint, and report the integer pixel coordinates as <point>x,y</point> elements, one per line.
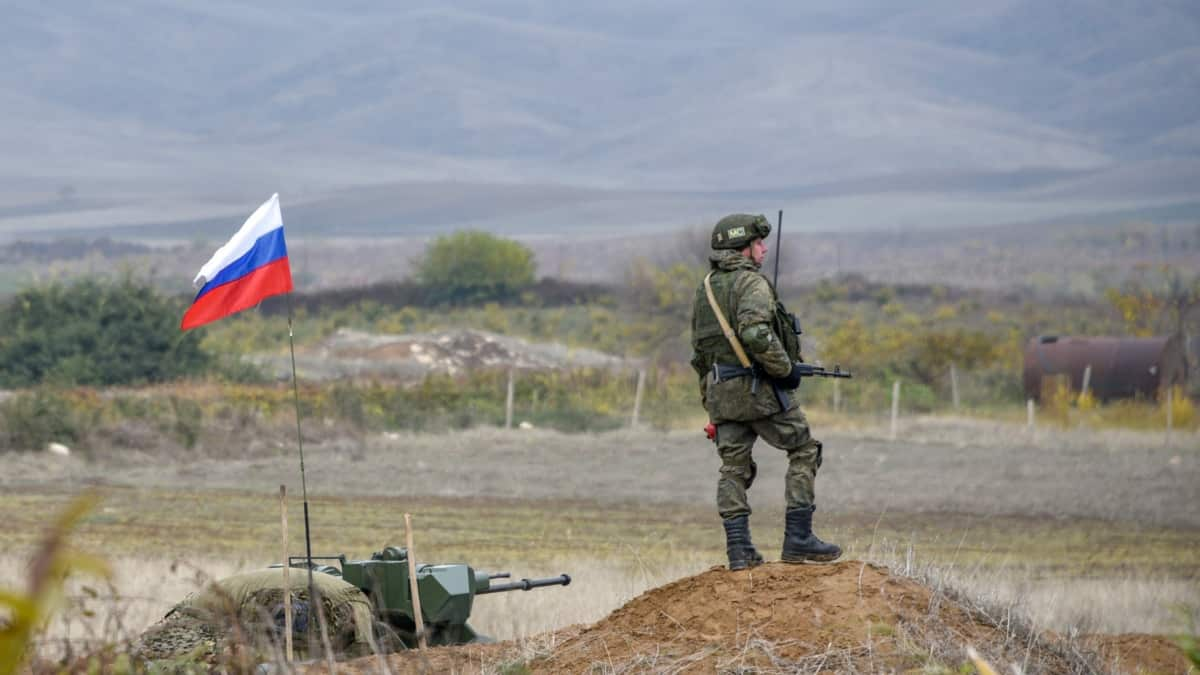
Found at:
<point>819,371</point>
<point>805,370</point>
<point>723,372</point>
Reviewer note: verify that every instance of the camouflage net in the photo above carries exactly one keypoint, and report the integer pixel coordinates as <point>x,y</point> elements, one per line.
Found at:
<point>247,610</point>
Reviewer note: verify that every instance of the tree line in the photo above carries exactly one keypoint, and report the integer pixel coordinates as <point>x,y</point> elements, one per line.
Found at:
<point>126,332</point>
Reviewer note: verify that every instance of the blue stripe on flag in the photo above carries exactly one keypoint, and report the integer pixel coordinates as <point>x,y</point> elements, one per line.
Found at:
<point>267,249</point>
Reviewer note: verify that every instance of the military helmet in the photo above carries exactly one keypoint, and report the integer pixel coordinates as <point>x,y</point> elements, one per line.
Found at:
<point>738,230</point>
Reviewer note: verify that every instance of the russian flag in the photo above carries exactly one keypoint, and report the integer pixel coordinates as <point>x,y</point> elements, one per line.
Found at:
<point>251,266</point>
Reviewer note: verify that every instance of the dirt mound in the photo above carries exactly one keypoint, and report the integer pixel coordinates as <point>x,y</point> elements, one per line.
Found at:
<point>848,617</point>
<point>1139,652</point>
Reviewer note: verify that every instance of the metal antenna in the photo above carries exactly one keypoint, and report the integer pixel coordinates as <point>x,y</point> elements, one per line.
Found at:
<point>312,594</point>
<point>778,246</point>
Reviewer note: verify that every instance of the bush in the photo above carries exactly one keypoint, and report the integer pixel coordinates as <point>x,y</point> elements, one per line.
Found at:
<point>475,266</point>
<point>95,333</point>
<point>38,417</point>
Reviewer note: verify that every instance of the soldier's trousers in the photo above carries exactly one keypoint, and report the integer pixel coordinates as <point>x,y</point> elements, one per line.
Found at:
<point>787,431</point>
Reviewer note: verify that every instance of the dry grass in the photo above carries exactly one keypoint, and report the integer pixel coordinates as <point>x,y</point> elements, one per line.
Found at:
<point>143,589</point>
<point>1130,604</point>
<point>597,588</point>
<point>573,507</point>
<point>139,593</point>
<point>1056,615</point>
<point>1028,607</point>
<point>1054,598</point>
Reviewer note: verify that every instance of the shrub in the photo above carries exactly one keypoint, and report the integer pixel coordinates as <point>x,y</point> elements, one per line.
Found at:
<point>38,417</point>
<point>95,333</point>
<point>1183,412</point>
<point>475,266</point>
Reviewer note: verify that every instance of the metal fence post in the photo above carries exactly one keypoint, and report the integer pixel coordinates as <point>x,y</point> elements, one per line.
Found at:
<point>1170,411</point>
<point>508,401</point>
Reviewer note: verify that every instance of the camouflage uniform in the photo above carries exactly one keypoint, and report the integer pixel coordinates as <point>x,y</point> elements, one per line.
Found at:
<point>746,407</point>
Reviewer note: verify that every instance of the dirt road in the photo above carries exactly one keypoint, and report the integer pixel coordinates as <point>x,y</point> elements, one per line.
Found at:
<point>938,465</point>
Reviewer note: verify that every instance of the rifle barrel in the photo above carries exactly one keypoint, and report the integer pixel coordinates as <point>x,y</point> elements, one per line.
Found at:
<point>527,584</point>
<point>817,371</point>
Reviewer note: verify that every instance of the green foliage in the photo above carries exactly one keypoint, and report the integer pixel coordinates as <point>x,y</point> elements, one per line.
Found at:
<point>191,416</point>
<point>41,416</point>
<point>583,400</point>
<point>475,266</point>
<point>1156,301</point>
<point>879,332</point>
<point>1189,644</point>
<point>661,300</point>
<point>918,353</point>
<point>189,419</point>
<point>933,351</point>
<point>95,333</point>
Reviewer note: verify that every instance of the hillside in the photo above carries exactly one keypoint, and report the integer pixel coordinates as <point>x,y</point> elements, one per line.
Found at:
<point>521,115</point>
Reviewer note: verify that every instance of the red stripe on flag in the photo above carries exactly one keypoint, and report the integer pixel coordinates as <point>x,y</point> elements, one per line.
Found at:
<point>273,278</point>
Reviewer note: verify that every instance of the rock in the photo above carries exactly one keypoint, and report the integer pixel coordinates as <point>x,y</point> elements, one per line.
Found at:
<point>58,449</point>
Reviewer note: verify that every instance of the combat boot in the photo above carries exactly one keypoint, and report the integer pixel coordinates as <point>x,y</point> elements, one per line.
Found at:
<point>738,547</point>
<point>799,542</point>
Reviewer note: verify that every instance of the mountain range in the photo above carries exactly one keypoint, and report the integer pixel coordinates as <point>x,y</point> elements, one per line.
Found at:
<point>177,117</point>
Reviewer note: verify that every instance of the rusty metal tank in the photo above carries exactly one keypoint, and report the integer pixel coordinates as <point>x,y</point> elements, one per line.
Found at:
<point>1121,367</point>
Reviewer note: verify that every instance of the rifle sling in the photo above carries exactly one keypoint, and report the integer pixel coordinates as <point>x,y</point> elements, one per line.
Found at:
<point>725,327</point>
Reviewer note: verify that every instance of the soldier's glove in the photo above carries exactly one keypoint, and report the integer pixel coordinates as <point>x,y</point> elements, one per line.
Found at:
<point>710,430</point>
<point>791,380</point>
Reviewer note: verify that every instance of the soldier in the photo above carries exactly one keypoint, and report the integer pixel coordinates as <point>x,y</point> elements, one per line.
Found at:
<point>746,368</point>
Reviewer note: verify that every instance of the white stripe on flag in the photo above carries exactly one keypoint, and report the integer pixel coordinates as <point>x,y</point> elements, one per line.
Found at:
<point>264,219</point>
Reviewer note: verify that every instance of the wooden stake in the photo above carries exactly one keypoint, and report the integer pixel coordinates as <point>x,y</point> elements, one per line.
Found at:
<point>1087,381</point>
<point>637,397</point>
<point>412,580</point>
<point>287,583</point>
<point>1170,411</point>
<point>837,394</point>
<point>508,401</point>
<point>895,406</point>
<point>954,386</point>
<point>1029,420</point>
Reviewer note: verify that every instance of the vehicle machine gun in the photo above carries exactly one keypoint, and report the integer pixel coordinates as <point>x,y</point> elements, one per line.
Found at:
<point>446,592</point>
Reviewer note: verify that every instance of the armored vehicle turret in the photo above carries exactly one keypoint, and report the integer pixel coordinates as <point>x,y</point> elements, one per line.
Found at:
<point>447,593</point>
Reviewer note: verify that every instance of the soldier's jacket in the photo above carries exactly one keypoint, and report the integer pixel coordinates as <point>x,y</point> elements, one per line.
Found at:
<point>749,303</point>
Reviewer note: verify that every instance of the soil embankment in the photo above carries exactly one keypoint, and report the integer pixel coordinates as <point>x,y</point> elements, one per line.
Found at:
<point>845,617</point>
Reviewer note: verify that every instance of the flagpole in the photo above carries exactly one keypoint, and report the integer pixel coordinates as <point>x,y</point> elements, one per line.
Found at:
<point>312,596</point>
